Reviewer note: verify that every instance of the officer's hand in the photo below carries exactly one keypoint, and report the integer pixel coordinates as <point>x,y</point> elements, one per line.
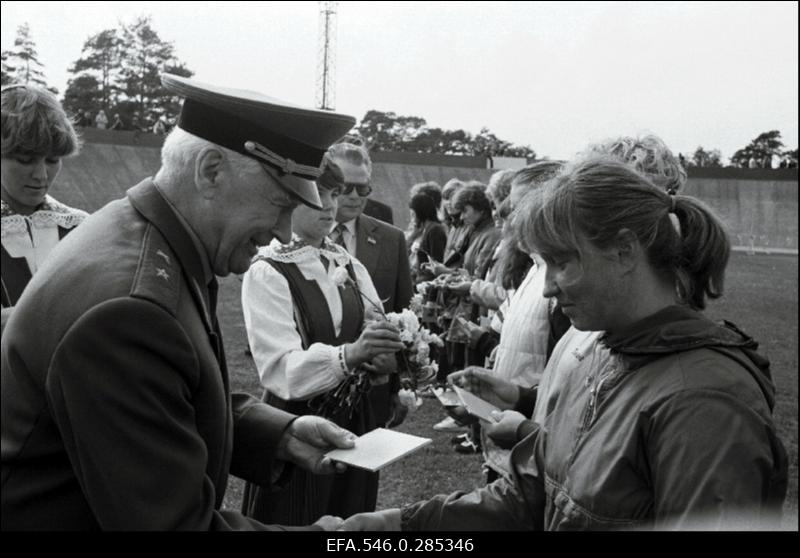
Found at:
<point>384,520</point>
<point>308,438</point>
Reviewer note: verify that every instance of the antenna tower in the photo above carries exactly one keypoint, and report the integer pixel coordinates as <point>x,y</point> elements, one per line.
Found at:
<point>326,66</point>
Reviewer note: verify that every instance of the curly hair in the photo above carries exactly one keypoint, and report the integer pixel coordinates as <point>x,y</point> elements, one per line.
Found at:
<point>500,185</point>
<point>648,154</point>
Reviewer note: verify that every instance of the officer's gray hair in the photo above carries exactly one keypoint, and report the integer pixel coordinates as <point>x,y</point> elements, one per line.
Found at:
<point>181,149</point>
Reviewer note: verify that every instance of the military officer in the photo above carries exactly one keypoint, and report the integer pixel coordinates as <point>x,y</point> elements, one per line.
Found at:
<point>116,405</point>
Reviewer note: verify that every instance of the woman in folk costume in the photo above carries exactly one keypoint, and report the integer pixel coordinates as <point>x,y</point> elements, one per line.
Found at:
<point>311,318</point>
<point>37,134</point>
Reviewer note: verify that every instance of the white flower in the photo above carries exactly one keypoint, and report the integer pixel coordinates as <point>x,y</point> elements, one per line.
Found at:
<point>410,320</point>
<point>340,276</point>
<point>406,336</point>
<point>409,399</point>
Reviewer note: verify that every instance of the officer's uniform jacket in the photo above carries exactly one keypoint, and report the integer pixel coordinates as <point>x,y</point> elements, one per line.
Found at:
<point>116,410</point>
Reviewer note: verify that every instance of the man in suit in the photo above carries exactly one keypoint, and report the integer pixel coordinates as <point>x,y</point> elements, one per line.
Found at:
<point>381,248</point>
<point>116,405</point>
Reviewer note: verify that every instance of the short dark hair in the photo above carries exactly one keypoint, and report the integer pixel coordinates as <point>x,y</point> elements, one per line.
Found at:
<point>424,208</point>
<point>475,196</point>
<point>431,189</point>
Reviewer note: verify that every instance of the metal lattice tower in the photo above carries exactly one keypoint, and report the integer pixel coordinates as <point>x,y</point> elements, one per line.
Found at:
<point>326,66</point>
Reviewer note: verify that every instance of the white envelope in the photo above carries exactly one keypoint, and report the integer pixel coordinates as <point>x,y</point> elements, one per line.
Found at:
<point>377,449</point>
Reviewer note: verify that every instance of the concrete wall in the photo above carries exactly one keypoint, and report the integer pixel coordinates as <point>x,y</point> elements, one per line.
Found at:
<point>760,208</point>
<point>761,215</point>
<point>103,172</point>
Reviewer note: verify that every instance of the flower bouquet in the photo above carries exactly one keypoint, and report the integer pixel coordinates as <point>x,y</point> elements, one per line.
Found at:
<point>441,305</point>
<point>414,365</point>
<point>416,368</point>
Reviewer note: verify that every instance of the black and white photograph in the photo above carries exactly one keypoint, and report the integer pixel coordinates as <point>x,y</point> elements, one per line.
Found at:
<point>436,269</point>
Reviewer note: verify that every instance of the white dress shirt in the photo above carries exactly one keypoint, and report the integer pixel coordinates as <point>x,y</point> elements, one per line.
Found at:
<point>284,367</point>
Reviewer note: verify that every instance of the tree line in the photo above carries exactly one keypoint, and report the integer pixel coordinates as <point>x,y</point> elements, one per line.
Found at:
<point>118,74</point>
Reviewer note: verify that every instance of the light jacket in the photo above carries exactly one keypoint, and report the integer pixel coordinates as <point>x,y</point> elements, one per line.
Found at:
<point>668,425</point>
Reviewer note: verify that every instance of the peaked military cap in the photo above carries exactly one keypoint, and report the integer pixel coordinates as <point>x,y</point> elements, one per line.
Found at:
<point>285,137</point>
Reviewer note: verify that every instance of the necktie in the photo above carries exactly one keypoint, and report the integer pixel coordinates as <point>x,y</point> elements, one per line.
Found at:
<point>338,235</point>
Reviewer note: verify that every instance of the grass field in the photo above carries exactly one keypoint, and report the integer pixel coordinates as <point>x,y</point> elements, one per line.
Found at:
<point>760,297</point>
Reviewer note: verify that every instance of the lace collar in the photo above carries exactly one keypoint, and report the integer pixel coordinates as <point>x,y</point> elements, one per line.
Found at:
<point>50,213</point>
<point>298,250</point>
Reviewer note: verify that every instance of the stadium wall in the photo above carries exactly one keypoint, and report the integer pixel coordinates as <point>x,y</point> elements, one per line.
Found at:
<point>759,206</point>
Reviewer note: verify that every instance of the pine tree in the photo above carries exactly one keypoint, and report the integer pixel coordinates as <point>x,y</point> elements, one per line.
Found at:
<point>26,65</point>
<point>95,85</point>
<point>762,149</point>
<point>144,57</point>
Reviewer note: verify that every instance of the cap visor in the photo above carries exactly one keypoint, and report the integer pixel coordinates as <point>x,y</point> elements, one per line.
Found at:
<point>301,188</point>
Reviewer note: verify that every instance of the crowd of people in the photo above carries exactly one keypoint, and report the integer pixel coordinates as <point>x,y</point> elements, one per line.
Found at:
<point>160,126</point>
<point>570,294</point>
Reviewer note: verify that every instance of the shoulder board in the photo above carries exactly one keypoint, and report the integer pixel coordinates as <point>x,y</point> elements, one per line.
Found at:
<point>158,276</point>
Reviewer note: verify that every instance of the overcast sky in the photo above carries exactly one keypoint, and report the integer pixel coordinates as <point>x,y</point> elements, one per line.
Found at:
<point>555,76</point>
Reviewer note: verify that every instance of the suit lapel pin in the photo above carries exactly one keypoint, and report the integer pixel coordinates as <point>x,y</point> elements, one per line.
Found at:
<point>371,240</point>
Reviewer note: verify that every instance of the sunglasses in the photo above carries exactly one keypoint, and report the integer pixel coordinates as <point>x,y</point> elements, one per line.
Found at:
<point>361,189</point>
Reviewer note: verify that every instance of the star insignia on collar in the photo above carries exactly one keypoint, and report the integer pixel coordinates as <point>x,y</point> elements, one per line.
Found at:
<point>161,272</point>
<point>163,255</point>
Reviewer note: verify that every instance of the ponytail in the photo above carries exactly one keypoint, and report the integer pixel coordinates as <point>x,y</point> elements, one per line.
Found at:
<point>704,252</point>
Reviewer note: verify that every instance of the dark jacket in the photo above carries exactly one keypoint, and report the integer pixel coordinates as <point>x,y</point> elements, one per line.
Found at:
<point>116,408</point>
<point>482,243</point>
<point>429,247</point>
<point>382,249</point>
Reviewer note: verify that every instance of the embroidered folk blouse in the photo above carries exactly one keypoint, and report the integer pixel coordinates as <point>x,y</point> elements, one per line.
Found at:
<point>32,237</point>
<point>284,367</point>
